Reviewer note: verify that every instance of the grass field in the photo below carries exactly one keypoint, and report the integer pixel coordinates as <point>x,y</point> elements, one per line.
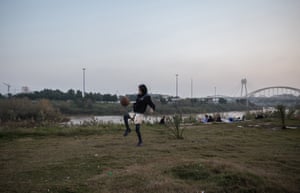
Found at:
<point>211,158</point>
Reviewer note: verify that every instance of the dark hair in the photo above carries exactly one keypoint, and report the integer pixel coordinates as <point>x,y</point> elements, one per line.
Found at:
<point>143,88</point>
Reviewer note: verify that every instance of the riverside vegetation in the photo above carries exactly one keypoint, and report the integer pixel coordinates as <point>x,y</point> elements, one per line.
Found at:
<point>22,108</point>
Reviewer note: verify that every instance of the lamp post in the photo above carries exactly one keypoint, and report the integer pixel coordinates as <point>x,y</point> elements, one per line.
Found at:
<point>176,85</point>
<point>215,94</point>
<point>83,82</point>
<point>192,85</point>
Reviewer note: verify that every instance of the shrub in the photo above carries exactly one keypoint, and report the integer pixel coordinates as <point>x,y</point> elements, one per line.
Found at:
<point>24,109</point>
<point>174,124</point>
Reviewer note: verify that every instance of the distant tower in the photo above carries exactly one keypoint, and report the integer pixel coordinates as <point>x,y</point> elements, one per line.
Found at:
<point>244,87</point>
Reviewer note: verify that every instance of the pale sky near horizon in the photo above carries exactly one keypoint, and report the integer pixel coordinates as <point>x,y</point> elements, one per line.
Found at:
<point>121,43</point>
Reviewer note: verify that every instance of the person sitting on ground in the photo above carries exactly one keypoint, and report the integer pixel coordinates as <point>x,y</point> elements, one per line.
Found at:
<point>218,119</point>
<point>205,119</point>
<point>210,119</point>
<point>162,120</point>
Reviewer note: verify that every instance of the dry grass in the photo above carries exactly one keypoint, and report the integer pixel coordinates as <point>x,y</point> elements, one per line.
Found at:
<point>211,158</point>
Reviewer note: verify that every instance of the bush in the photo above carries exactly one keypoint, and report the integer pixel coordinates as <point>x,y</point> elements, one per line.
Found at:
<point>174,124</point>
<point>24,109</point>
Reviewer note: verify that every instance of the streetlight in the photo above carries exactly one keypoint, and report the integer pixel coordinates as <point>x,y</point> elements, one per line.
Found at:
<point>192,88</point>
<point>215,94</point>
<point>83,82</point>
<point>176,85</point>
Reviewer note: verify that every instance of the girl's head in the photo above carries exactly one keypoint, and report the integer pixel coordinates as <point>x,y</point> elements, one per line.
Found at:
<point>143,90</point>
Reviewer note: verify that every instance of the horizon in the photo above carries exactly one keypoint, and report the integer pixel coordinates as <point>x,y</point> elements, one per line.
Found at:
<point>150,93</point>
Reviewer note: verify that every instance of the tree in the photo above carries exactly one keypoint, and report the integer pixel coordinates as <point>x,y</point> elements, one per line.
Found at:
<point>222,101</point>
<point>71,94</point>
<point>78,94</point>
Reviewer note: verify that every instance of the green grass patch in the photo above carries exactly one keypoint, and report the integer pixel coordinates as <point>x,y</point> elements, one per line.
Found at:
<point>223,178</point>
<point>191,172</point>
<point>57,130</point>
<point>66,171</point>
<point>97,158</point>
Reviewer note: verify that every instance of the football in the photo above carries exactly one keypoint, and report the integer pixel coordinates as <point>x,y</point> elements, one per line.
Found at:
<point>124,101</point>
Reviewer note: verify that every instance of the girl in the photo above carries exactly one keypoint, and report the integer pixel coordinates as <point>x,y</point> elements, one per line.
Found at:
<point>139,108</point>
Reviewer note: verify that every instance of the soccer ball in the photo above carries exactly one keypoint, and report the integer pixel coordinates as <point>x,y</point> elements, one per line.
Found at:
<point>124,101</point>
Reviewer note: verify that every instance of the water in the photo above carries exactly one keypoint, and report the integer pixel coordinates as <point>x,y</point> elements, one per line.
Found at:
<point>77,120</point>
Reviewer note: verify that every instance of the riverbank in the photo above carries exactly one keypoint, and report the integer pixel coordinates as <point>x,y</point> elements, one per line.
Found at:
<point>152,119</point>
<point>236,157</point>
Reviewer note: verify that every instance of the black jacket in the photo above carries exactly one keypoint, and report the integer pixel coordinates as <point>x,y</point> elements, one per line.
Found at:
<point>141,103</point>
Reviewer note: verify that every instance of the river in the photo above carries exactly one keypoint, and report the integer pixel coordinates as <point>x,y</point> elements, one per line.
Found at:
<point>77,120</point>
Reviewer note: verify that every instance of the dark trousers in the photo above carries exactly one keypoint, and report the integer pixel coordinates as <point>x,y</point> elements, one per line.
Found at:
<point>137,127</point>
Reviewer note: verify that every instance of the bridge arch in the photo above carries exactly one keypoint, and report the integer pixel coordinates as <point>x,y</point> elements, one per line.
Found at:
<point>293,90</point>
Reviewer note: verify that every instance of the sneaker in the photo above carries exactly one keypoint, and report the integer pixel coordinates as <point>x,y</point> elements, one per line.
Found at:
<point>139,144</point>
<point>127,132</point>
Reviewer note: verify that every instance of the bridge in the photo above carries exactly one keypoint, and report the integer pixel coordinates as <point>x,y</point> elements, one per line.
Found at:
<point>274,95</point>
<point>275,91</point>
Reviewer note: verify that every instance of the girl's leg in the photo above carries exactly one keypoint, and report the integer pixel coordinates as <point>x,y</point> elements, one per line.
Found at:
<point>128,130</point>
<point>137,129</point>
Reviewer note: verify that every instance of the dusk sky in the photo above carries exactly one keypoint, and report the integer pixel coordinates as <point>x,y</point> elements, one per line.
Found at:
<point>45,44</point>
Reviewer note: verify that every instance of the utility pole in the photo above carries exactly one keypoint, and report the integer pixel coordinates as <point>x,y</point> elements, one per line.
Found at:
<point>192,88</point>
<point>176,85</point>
<point>8,88</point>
<point>215,94</point>
<point>83,82</point>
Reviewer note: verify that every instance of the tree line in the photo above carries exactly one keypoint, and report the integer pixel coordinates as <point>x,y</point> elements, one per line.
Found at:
<point>69,95</point>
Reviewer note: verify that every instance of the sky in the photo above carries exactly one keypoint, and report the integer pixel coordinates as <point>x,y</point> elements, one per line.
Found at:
<point>215,43</point>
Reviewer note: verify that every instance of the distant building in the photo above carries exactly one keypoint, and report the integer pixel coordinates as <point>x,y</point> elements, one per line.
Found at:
<point>25,89</point>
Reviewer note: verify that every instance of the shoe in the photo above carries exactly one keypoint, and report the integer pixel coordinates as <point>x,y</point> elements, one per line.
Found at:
<point>139,144</point>
<point>127,132</point>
